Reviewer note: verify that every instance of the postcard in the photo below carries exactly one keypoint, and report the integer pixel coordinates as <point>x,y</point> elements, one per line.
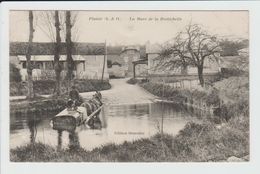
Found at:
<point>116,84</point>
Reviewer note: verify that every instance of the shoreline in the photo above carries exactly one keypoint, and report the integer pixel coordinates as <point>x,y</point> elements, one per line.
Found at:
<point>190,144</point>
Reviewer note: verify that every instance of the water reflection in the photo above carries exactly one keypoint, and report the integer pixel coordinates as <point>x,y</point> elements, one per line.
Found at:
<point>32,125</point>
<point>73,140</point>
<point>119,123</point>
<point>59,139</point>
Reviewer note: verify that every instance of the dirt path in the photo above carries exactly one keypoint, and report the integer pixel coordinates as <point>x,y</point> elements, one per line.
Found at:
<point>123,93</point>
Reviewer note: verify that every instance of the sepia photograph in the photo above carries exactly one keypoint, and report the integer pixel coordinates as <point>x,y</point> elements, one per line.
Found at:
<point>129,86</point>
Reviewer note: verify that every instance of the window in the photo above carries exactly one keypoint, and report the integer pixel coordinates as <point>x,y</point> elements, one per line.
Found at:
<point>37,65</point>
<point>24,65</point>
<point>49,65</point>
<point>64,65</point>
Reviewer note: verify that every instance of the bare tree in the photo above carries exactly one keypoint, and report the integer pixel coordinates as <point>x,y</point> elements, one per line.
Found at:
<point>200,46</point>
<point>53,25</point>
<point>173,56</point>
<point>47,24</point>
<point>57,64</point>
<point>70,63</point>
<point>191,48</point>
<point>30,94</point>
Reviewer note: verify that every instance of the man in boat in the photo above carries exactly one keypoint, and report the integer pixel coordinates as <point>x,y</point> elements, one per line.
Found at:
<point>74,96</point>
<point>70,105</point>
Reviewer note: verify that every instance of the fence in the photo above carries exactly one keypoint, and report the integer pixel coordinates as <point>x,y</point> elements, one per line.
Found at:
<point>38,74</point>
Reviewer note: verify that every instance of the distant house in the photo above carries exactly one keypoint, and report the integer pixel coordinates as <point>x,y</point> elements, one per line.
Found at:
<point>113,54</point>
<point>240,62</point>
<point>125,56</point>
<point>130,54</point>
<point>116,70</point>
<point>88,60</point>
<point>243,52</point>
<point>153,51</point>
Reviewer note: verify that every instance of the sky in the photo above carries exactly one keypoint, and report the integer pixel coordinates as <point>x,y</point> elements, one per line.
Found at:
<point>133,27</point>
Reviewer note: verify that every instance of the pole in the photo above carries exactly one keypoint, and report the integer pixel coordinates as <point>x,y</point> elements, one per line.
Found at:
<point>134,70</point>
<point>104,63</point>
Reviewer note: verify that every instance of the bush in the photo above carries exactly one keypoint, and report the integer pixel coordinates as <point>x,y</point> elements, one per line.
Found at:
<point>229,72</point>
<point>213,98</point>
<point>15,75</point>
<point>232,110</point>
<point>18,88</point>
<point>46,87</point>
<point>182,95</point>
<point>132,81</point>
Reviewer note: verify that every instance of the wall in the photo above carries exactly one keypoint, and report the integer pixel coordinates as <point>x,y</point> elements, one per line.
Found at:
<point>116,71</point>
<point>39,74</point>
<point>129,56</point>
<point>91,68</point>
<point>141,70</point>
<point>94,67</point>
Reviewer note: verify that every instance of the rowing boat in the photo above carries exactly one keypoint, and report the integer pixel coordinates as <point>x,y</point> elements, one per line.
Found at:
<point>87,113</point>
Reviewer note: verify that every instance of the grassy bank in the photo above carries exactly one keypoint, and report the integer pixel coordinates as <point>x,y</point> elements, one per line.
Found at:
<point>230,96</point>
<point>52,103</point>
<point>44,87</point>
<point>196,142</point>
<point>179,95</point>
<point>39,105</point>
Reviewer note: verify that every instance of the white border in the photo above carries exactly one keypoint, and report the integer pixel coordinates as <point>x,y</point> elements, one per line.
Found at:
<point>218,168</point>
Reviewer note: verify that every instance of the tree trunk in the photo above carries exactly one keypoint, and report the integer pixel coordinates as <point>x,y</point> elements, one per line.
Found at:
<point>29,66</point>
<point>200,74</point>
<point>184,69</point>
<point>57,65</point>
<point>70,65</point>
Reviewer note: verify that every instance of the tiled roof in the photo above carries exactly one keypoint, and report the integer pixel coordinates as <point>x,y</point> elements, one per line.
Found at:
<point>19,48</point>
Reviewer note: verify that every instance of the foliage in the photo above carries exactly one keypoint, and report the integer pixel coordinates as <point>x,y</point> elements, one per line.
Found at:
<point>132,81</point>
<point>182,95</point>
<point>233,89</point>
<point>229,72</point>
<point>38,105</point>
<point>230,48</point>
<point>44,87</point>
<point>233,110</point>
<point>15,75</point>
<point>213,98</point>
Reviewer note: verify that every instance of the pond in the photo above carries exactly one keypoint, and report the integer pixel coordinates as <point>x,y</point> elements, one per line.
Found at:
<point>120,123</point>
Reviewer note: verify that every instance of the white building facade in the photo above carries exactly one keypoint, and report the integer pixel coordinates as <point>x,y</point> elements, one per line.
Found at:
<point>86,66</point>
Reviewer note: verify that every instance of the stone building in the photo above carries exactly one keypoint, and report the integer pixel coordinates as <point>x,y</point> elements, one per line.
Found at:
<point>89,59</point>
<point>123,57</point>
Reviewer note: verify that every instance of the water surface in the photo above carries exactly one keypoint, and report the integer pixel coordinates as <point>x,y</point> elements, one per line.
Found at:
<point>120,123</point>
